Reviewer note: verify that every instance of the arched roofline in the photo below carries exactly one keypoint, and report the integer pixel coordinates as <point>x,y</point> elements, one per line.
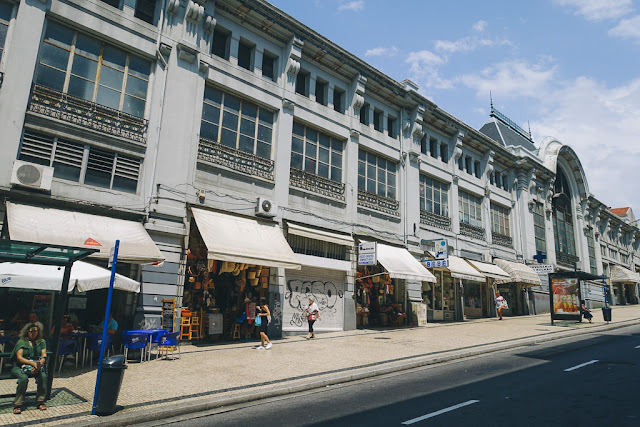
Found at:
<point>551,150</point>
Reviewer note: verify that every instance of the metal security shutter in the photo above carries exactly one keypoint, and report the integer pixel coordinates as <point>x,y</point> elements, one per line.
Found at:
<point>327,288</point>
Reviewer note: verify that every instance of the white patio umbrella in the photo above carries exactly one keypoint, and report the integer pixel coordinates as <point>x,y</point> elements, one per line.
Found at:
<point>84,276</point>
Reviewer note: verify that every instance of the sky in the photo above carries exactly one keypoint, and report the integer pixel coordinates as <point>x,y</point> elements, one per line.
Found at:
<point>568,69</point>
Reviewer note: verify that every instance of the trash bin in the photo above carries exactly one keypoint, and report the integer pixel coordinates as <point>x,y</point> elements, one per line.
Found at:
<point>110,382</point>
<point>606,313</point>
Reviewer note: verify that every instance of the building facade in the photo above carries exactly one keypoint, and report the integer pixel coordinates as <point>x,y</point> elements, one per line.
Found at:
<point>244,140</point>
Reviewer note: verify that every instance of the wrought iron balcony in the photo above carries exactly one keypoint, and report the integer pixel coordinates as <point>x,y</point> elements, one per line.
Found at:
<point>568,260</point>
<point>378,203</point>
<point>435,220</point>
<point>87,114</point>
<point>502,240</point>
<point>472,231</point>
<point>317,184</point>
<point>219,154</point>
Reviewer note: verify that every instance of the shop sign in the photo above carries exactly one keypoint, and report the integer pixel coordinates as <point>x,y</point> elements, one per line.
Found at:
<point>367,254</point>
<point>542,268</point>
<point>436,263</point>
<point>441,251</point>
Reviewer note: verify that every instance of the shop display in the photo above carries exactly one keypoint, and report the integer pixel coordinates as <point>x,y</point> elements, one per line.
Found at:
<point>379,300</point>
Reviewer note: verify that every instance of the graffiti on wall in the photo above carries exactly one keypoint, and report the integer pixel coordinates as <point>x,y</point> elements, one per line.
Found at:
<point>325,294</point>
<point>276,313</point>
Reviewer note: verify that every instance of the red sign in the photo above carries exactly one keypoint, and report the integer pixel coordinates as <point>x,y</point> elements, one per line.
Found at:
<point>91,242</point>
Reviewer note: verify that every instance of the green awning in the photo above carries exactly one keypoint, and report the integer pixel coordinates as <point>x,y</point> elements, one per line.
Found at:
<point>40,253</point>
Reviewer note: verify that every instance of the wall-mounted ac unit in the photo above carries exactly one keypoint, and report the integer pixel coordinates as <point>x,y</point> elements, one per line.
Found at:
<point>31,175</point>
<point>267,208</point>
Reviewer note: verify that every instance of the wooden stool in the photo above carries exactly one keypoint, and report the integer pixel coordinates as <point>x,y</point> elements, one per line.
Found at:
<point>235,332</point>
<point>185,328</point>
<point>195,327</point>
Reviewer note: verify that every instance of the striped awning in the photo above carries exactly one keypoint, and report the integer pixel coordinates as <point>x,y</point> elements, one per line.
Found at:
<point>518,273</point>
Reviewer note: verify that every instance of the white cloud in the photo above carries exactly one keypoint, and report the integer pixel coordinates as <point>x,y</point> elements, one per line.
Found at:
<point>480,26</point>
<point>627,28</point>
<point>469,43</point>
<point>424,68</point>
<point>355,5</point>
<point>382,51</point>
<point>598,10</point>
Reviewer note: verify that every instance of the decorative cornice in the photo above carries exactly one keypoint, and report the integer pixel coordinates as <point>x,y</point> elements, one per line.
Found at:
<point>173,6</point>
<point>293,67</point>
<point>195,12</point>
<point>209,24</point>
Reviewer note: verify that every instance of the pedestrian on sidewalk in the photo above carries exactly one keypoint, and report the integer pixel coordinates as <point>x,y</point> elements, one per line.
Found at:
<point>313,313</point>
<point>29,357</point>
<point>500,304</point>
<point>585,311</point>
<point>263,312</point>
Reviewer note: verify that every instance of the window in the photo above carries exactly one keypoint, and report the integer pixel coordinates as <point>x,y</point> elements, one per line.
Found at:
<point>5,17</point>
<point>114,3</point>
<point>433,147</point>
<point>338,100</point>
<point>539,227</point>
<point>444,152</point>
<point>102,168</point>
<point>377,120</point>
<point>592,253</point>
<point>624,258</point>
<point>268,65</point>
<point>245,55</point>
<point>220,44</point>
<point>498,179</point>
<point>563,217</point>
<point>603,250</point>
<point>500,220</point>
<point>364,114</point>
<point>476,169</point>
<point>423,144</point>
<point>320,248</point>
<point>391,127</point>
<point>434,196</point>
<point>470,209</point>
<point>145,10</point>
<point>302,83</point>
<point>316,152</point>
<point>236,123</point>
<point>321,92</point>
<point>376,175</point>
<point>87,68</point>
<point>613,254</point>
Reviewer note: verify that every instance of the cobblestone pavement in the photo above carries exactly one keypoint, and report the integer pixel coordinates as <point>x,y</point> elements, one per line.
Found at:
<point>220,372</point>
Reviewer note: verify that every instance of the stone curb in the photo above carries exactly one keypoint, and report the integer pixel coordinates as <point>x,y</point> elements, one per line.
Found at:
<point>139,416</point>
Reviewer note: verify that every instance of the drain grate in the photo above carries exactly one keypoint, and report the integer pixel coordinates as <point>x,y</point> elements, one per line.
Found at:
<point>381,338</point>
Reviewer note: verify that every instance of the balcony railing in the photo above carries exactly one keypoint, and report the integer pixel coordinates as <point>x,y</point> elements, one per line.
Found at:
<point>378,203</point>
<point>502,240</point>
<point>566,259</point>
<point>435,220</point>
<point>87,114</point>
<point>219,154</point>
<point>316,184</point>
<point>472,231</point>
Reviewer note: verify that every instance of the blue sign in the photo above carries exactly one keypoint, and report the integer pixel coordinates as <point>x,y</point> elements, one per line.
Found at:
<point>436,263</point>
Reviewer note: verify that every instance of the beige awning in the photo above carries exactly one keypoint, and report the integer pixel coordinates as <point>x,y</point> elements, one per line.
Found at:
<point>245,240</point>
<point>620,274</point>
<point>326,236</point>
<point>460,269</point>
<point>400,264</point>
<point>61,227</point>
<point>518,273</point>
<point>489,270</point>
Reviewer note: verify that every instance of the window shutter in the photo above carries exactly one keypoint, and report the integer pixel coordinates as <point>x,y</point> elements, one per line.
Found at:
<point>69,153</point>
<point>36,148</point>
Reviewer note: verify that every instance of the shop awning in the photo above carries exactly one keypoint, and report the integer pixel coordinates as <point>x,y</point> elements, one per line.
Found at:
<point>245,240</point>
<point>460,269</point>
<point>518,273</point>
<point>620,274</point>
<point>326,236</point>
<point>400,264</point>
<point>489,270</point>
<point>60,227</point>
<point>84,277</point>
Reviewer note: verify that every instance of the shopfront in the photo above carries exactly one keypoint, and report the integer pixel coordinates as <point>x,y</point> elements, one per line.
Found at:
<point>230,262</point>
<point>625,284</point>
<point>492,273</point>
<point>381,289</point>
<point>514,288</point>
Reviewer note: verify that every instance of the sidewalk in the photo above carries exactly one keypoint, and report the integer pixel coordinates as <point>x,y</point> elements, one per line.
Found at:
<point>211,376</point>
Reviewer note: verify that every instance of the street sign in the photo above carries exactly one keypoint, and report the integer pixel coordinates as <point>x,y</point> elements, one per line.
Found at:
<point>542,268</point>
<point>111,253</point>
<point>367,254</point>
<point>435,263</point>
<point>441,249</point>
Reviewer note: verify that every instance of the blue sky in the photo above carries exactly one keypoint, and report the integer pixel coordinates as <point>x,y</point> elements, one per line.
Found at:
<point>568,68</point>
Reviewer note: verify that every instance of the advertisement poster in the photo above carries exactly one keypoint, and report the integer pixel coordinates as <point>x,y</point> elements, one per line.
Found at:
<point>566,297</point>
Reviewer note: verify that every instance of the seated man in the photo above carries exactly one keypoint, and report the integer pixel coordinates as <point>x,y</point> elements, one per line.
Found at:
<point>33,318</point>
<point>112,325</point>
<point>29,356</point>
<point>66,327</point>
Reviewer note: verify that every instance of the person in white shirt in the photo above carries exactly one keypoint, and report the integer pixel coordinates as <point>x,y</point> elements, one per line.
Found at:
<point>313,313</point>
<point>33,318</point>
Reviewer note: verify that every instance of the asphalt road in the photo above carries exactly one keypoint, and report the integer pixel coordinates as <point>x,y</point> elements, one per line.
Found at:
<point>592,380</point>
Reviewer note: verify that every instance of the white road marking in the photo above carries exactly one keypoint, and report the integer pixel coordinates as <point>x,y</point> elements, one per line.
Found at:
<point>580,365</point>
<point>441,411</point>
<point>638,346</point>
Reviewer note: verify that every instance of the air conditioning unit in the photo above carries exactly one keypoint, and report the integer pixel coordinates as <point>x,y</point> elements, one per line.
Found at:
<point>267,208</point>
<point>31,175</point>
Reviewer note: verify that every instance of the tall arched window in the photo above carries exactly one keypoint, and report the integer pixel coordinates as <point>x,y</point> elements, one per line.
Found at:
<point>563,224</point>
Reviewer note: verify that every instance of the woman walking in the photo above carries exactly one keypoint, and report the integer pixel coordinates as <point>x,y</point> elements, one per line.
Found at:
<point>265,316</point>
<point>500,304</point>
<point>312,315</point>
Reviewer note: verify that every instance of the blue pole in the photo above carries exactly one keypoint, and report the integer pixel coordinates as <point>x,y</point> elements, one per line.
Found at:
<point>105,325</point>
<point>604,289</point>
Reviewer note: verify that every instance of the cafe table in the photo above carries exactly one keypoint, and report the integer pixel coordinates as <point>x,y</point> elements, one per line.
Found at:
<point>153,335</point>
<point>82,337</point>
